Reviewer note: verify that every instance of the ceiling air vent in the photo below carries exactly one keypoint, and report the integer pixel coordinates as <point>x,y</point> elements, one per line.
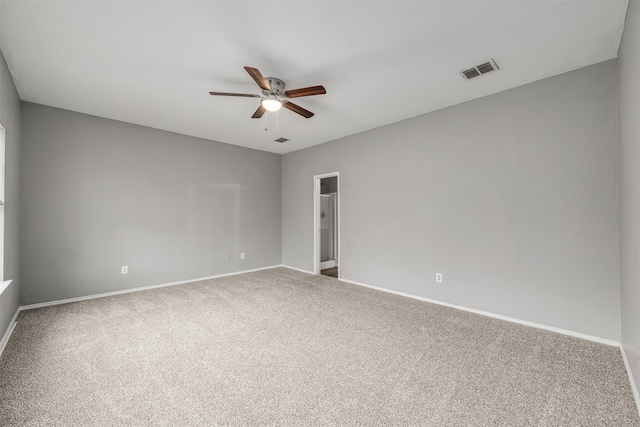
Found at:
<point>281,140</point>
<point>478,70</point>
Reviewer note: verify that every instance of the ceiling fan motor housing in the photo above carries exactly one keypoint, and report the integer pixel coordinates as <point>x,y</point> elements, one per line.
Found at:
<point>276,85</point>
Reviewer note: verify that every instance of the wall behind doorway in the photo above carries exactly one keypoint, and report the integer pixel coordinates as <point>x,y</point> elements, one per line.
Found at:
<point>329,185</point>
<point>329,223</point>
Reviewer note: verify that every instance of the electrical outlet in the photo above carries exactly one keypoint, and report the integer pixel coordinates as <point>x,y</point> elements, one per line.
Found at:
<point>439,277</point>
<point>242,255</point>
<point>124,269</point>
<point>228,257</point>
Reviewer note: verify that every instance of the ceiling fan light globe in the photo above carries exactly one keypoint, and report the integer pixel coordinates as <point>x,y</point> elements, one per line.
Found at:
<point>271,104</point>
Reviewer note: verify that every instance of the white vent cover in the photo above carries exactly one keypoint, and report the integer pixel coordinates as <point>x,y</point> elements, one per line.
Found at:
<point>478,70</point>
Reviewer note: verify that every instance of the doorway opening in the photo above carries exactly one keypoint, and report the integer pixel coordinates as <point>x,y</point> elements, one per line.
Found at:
<point>326,225</point>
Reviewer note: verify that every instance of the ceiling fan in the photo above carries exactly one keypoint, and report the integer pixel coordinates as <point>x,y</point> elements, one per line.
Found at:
<point>274,96</point>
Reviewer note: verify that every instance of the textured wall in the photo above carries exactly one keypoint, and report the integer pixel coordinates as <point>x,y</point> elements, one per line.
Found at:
<point>512,197</point>
<point>99,194</point>
<point>629,137</point>
<point>10,116</point>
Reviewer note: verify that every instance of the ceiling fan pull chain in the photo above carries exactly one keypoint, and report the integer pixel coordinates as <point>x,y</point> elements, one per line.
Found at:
<point>266,122</point>
<point>277,123</point>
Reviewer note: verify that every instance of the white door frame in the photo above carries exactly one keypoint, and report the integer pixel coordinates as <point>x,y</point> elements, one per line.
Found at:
<point>316,219</point>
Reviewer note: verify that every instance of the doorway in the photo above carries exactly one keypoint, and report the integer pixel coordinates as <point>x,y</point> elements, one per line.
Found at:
<point>328,231</point>
<point>326,225</point>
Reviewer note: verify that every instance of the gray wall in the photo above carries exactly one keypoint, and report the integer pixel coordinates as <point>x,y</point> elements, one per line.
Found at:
<point>629,140</point>
<point>99,194</point>
<point>512,197</point>
<point>10,116</point>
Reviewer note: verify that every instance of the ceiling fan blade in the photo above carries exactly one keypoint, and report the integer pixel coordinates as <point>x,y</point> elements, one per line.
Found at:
<point>247,95</point>
<point>298,109</point>
<point>305,91</point>
<point>258,77</point>
<point>259,112</point>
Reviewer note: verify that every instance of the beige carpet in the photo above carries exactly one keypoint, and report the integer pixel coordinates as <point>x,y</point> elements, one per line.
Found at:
<point>279,347</point>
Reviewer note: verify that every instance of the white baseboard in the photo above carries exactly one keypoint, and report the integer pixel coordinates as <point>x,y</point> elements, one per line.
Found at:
<point>143,288</point>
<point>494,315</point>
<point>7,334</point>
<point>298,269</point>
<point>627,366</point>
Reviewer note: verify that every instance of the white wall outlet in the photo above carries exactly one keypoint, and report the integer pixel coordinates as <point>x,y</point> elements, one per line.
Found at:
<point>242,255</point>
<point>228,257</point>
<point>124,269</point>
<point>439,277</point>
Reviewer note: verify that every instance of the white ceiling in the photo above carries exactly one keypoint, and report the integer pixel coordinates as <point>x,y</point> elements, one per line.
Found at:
<point>154,63</point>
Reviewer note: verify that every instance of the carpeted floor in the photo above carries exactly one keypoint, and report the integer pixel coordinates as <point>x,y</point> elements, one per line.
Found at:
<point>280,347</point>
